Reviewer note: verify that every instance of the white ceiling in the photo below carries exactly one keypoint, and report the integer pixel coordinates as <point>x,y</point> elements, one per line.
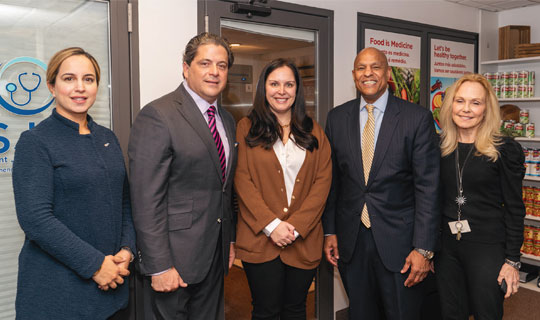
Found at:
<point>496,5</point>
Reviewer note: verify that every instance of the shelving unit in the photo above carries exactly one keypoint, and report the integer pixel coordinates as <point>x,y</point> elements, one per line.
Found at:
<point>525,139</point>
<point>531,285</point>
<point>530,63</point>
<point>532,221</point>
<point>531,178</point>
<point>531,99</point>
<point>510,61</point>
<point>532,104</point>
<point>530,259</point>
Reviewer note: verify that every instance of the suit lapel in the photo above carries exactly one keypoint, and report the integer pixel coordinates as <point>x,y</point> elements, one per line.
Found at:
<point>388,126</point>
<point>354,139</point>
<point>192,114</point>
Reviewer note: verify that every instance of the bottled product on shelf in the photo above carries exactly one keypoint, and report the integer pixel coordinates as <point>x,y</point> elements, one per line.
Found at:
<point>532,162</point>
<point>531,198</point>
<point>531,242</point>
<point>512,84</point>
<point>519,129</point>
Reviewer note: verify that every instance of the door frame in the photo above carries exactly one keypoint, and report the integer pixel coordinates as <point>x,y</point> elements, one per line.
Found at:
<point>124,72</point>
<point>287,15</point>
<point>303,17</point>
<point>125,104</point>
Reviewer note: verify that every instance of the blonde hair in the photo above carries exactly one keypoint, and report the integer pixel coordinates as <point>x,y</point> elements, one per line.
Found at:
<point>488,136</point>
<point>59,57</point>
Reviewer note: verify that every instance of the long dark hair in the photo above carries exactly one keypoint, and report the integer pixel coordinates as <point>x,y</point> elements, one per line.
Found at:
<point>265,128</point>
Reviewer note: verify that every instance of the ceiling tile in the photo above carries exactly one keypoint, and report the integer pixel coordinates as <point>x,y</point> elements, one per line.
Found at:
<point>477,4</point>
<point>489,8</point>
<point>512,4</point>
<point>496,5</point>
<point>487,2</point>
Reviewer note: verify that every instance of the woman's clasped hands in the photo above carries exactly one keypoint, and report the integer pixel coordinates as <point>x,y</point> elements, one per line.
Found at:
<point>113,270</point>
<point>283,234</point>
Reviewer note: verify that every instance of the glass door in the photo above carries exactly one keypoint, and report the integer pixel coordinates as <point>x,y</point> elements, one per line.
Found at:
<point>260,31</point>
<point>32,31</point>
<point>254,45</point>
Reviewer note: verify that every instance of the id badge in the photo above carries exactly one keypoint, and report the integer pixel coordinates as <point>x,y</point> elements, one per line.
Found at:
<point>462,225</point>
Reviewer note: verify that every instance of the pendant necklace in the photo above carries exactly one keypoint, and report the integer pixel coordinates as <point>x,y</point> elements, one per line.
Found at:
<point>460,199</point>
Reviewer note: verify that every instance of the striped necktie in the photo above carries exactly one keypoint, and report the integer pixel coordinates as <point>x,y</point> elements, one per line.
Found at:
<point>217,139</point>
<point>368,148</point>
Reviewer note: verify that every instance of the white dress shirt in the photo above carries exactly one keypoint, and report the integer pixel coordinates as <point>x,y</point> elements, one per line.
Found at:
<point>378,113</point>
<point>203,106</point>
<point>291,158</point>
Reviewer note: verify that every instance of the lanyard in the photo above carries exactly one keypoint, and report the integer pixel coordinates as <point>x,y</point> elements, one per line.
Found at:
<point>460,199</point>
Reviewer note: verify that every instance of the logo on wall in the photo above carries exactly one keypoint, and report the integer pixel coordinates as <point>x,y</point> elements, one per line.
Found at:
<point>23,89</point>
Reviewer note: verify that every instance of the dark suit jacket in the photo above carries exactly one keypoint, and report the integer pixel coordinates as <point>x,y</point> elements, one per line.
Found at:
<point>402,190</point>
<point>180,203</point>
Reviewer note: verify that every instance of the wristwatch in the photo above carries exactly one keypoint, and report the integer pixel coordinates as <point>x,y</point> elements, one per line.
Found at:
<point>425,253</point>
<point>514,264</point>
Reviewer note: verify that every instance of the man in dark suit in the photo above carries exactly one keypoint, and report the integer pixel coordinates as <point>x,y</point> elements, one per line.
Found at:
<point>182,159</point>
<point>382,215</point>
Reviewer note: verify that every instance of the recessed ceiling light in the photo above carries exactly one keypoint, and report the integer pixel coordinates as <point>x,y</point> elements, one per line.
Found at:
<point>234,44</point>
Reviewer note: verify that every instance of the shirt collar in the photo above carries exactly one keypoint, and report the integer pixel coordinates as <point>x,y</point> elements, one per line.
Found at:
<point>380,104</point>
<point>202,104</point>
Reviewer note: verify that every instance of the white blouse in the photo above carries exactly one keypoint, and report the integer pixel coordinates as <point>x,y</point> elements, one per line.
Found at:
<point>291,158</point>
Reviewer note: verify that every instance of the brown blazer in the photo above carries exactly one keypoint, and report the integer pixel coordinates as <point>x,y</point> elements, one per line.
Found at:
<point>262,197</point>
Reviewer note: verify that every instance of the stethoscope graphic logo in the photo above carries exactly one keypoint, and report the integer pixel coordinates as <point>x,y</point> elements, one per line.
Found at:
<point>11,87</point>
<point>26,82</point>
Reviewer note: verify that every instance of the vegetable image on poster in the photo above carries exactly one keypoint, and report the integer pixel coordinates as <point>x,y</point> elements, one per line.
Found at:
<point>438,86</point>
<point>449,61</point>
<point>405,83</point>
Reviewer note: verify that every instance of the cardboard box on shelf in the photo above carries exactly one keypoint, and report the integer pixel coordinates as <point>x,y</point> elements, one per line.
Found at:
<point>510,37</point>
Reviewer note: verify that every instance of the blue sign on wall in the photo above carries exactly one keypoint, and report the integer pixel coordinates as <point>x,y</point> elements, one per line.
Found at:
<point>27,84</point>
<point>25,96</point>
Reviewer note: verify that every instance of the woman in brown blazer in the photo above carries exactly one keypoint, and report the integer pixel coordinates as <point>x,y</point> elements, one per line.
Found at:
<point>282,180</point>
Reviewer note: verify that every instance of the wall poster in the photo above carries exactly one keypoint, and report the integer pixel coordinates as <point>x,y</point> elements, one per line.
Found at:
<point>403,53</point>
<point>449,61</point>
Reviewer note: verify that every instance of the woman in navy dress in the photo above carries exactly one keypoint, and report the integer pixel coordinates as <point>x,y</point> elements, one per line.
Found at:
<point>72,201</point>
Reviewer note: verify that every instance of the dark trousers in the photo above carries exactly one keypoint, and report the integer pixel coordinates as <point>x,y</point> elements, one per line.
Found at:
<point>375,292</point>
<point>278,291</point>
<point>466,274</point>
<point>198,301</point>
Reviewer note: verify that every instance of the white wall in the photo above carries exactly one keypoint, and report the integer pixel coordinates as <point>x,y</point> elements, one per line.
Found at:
<point>489,36</point>
<point>164,30</point>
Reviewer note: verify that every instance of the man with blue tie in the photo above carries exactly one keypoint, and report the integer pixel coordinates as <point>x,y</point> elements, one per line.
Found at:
<point>382,214</point>
<point>182,159</point>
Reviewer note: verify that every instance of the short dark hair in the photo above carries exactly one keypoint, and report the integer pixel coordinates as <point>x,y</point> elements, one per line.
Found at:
<point>265,129</point>
<point>206,38</point>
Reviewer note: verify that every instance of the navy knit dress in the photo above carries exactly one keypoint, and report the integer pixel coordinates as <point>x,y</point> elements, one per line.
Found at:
<point>72,201</point>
